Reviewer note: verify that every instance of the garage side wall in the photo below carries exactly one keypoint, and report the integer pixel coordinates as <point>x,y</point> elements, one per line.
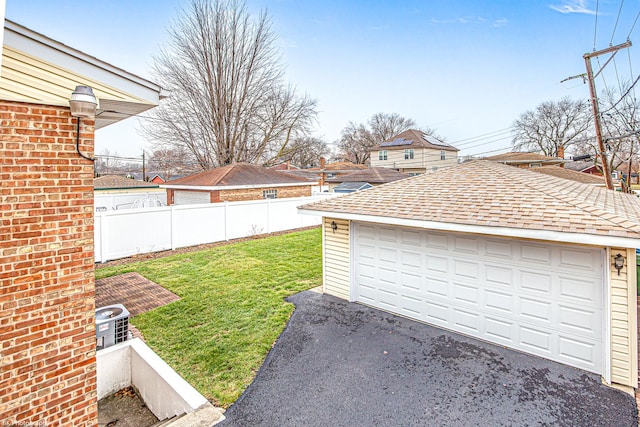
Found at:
<point>624,350</point>
<point>336,258</point>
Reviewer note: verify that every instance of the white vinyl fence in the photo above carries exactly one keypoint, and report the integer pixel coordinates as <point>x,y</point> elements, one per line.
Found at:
<point>124,233</point>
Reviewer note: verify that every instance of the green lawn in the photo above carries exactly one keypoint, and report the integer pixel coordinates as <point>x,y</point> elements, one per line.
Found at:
<point>232,308</point>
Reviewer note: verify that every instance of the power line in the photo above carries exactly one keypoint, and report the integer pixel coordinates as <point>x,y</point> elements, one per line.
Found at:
<point>616,24</point>
<point>633,26</point>
<point>595,27</point>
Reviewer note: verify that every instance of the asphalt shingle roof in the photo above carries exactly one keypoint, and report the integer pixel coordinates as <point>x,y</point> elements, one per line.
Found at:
<point>371,175</point>
<point>519,157</point>
<point>570,174</point>
<point>485,193</point>
<point>239,174</point>
<point>418,139</point>
<point>108,182</point>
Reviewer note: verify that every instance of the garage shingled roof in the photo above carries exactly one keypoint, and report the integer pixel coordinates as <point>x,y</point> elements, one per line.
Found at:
<point>239,174</point>
<point>489,194</point>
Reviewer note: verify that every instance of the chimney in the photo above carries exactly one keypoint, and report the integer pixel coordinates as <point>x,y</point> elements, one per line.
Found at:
<point>560,154</point>
<point>322,162</point>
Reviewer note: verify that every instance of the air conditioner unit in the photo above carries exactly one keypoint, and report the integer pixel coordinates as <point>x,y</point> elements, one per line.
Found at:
<point>112,325</point>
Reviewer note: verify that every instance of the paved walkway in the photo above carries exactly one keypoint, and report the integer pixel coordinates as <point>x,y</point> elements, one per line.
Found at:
<point>135,292</point>
<point>343,364</point>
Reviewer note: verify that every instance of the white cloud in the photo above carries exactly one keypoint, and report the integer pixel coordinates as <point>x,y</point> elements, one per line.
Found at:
<point>573,6</point>
<point>500,23</point>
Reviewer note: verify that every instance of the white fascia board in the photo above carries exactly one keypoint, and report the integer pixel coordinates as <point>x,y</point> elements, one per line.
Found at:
<point>41,46</point>
<point>234,187</point>
<point>3,5</point>
<point>522,233</point>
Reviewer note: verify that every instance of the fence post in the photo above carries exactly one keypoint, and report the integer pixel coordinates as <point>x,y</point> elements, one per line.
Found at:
<point>104,246</point>
<point>269,216</point>
<point>226,219</point>
<point>172,228</point>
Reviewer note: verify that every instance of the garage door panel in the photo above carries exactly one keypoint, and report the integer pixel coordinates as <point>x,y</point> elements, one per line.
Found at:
<point>535,310</point>
<point>437,264</point>
<point>499,329</point>
<point>578,320</point>
<point>576,259</point>
<point>501,276</point>
<point>536,340</point>
<point>466,269</point>
<point>499,301</point>
<point>545,299</point>
<point>536,282</point>
<point>499,249</point>
<point>580,290</point>
<point>466,321</point>
<point>437,287</point>
<point>466,293</point>
<point>465,245</point>
<point>438,241</point>
<point>577,351</point>
<point>535,254</point>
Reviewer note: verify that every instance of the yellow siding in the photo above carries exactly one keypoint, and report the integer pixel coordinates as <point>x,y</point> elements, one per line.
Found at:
<point>336,258</point>
<point>425,159</point>
<point>623,305</point>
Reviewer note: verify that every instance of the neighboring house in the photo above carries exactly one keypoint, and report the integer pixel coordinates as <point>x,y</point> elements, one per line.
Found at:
<point>350,187</point>
<point>47,327</point>
<point>114,192</point>
<point>526,160</point>
<point>119,184</point>
<point>332,170</point>
<point>528,261</point>
<point>371,176</point>
<point>570,174</point>
<point>584,166</point>
<point>414,152</point>
<point>233,183</point>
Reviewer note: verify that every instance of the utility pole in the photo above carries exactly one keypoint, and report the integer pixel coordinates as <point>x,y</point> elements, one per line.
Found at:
<point>144,169</point>
<point>594,104</point>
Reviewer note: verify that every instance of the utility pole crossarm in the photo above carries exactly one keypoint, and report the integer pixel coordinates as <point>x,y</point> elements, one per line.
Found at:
<point>594,104</point>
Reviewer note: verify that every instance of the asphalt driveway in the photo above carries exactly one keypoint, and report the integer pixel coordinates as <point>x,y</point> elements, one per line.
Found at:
<point>343,364</point>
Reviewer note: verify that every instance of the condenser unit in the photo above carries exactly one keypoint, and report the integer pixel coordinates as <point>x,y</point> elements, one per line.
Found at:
<point>112,325</point>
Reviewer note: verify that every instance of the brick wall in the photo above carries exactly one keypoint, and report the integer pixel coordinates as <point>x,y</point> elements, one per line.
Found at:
<point>47,327</point>
<point>256,193</point>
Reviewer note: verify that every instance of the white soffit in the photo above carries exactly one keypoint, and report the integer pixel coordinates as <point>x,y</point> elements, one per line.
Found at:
<point>38,69</point>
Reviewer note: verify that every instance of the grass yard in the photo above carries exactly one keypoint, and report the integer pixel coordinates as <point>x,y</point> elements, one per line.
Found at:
<point>232,308</point>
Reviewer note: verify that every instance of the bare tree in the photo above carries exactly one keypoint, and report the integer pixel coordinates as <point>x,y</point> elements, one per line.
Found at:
<point>170,162</point>
<point>551,125</point>
<point>107,163</point>
<point>356,141</point>
<point>304,152</point>
<point>227,99</point>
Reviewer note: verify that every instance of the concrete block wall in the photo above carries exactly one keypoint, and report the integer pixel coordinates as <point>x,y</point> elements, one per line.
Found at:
<point>47,326</point>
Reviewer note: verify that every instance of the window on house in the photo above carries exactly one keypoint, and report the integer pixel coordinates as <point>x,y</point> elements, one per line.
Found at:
<point>443,155</point>
<point>408,154</point>
<point>382,155</point>
<point>535,165</point>
<point>270,194</point>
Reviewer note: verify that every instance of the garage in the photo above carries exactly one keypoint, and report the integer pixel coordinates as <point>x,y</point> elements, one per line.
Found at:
<point>538,298</point>
<point>529,261</point>
<point>185,197</point>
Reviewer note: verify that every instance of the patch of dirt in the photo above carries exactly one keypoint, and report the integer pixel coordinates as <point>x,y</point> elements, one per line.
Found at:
<point>162,254</point>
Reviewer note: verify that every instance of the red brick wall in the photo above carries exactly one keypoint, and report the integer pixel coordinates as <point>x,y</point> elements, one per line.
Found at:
<point>47,326</point>
<point>256,193</point>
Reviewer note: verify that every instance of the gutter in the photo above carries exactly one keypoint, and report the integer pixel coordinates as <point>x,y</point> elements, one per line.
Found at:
<point>523,233</point>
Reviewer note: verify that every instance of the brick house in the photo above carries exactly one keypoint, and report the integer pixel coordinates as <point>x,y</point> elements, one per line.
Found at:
<point>234,183</point>
<point>47,307</point>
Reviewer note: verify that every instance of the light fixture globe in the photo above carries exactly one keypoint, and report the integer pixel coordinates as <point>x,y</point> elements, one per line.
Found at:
<point>83,102</point>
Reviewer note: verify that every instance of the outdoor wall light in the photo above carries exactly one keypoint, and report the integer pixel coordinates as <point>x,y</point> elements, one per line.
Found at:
<point>618,262</point>
<point>334,226</point>
<point>83,102</point>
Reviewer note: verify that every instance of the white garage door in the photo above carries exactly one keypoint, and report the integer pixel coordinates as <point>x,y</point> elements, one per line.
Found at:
<point>539,298</point>
<point>182,197</point>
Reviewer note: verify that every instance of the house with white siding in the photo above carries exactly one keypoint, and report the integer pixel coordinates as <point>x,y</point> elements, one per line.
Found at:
<point>533,262</point>
<point>413,152</point>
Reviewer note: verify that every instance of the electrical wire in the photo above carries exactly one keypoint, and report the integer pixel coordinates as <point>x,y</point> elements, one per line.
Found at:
<point>616,24</point>
<point>595,27</point>
<point>634,25</point>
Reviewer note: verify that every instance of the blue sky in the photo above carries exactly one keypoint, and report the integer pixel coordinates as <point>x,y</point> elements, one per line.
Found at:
<point>465,67</point>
